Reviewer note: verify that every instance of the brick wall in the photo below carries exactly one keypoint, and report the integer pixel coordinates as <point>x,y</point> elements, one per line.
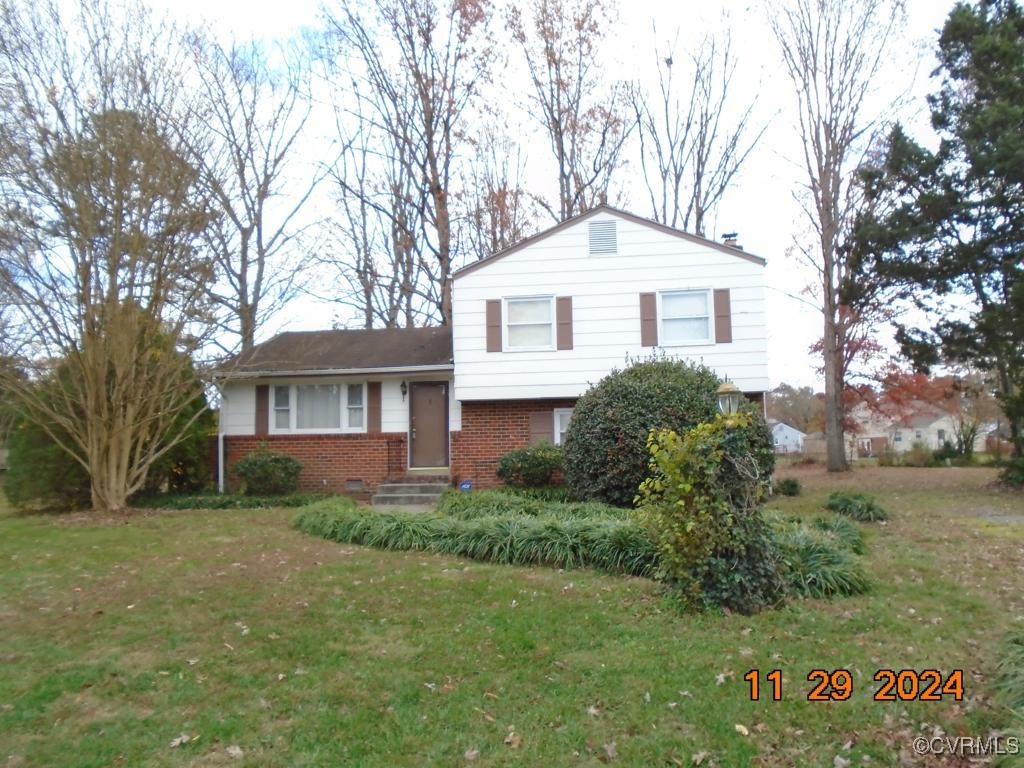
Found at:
<point>330,462</point>
<point>489,430</point>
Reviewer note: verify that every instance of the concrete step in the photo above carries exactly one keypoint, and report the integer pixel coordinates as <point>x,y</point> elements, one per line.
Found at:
<point>405,499</point>
<point>412,487</point>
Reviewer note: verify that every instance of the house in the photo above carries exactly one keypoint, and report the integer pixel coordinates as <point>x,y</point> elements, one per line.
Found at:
<point>888,427</point>
<point>787,439</point>
<point>533,327</point>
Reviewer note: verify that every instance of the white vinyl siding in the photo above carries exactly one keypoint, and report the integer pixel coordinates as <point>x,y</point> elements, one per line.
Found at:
<point>530,323</point>
<point>684,317</point>
<point>605,295</point>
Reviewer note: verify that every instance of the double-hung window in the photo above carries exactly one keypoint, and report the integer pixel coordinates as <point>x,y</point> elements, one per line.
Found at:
<point>561,426</point>
<point>685,317</point>
<point>530,323</point>
<point>318,407</point>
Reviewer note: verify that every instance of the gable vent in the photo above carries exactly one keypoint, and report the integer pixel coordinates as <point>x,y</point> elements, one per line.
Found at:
<point>603,238</point>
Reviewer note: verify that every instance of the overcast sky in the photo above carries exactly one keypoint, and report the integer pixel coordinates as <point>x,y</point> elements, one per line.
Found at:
<point>760,205</point>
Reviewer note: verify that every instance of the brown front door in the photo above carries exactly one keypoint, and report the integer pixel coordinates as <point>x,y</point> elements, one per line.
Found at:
<point>428,424</point>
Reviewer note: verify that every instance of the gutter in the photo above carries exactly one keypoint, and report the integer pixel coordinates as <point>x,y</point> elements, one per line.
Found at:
<point>236,375</point>
<point>220,442</point>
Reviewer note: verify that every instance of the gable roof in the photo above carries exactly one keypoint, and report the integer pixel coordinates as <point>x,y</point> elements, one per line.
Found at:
<point>320,352</point>
<point>605,208</point>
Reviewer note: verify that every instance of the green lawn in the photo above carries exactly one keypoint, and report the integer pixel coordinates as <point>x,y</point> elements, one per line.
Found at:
<point>267,647</point>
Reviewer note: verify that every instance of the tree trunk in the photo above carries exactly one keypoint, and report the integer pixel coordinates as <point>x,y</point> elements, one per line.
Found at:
<point>835,442</point>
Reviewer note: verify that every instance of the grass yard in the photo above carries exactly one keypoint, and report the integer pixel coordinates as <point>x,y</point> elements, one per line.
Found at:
<point>265,647</point>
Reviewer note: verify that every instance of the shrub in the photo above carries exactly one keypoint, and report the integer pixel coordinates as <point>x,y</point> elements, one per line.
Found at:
<point>701,508</point>
<point>787,486</point>
<point>40,473</point>
<point>919,455</point>
<point>540,492</point>
<point>468,506</point>
<point>229,501</point>
<point>266,473</point>
<point>859,506</point>
<point>1013,473</point>
<point>1010,671</point>
<point>530,467</point>
<point>888,458</point>
<point>617,546</point>
<point>606,455</point>
<point>816,564</point>
<point>946,453</point>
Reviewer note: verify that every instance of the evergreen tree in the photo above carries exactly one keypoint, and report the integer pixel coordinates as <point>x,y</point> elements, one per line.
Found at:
<point>952,233</point>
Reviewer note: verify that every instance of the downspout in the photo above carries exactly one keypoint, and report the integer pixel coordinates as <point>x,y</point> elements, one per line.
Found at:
<point>220,441</point>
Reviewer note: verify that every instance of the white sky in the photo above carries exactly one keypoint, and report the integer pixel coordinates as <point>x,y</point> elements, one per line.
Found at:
<point>760,205</point>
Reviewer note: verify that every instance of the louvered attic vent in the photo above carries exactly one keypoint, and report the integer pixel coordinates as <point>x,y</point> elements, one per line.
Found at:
<point>603,238</point>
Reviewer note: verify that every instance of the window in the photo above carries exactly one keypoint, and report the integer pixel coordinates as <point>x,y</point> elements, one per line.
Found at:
<point>917,434</point>
<point>319,407</point>
<point>898,437</point>
<point>355,406</point>
<point>530,323</point>
<point>942,436</point>
<point>282,417</point>
<point>685,317</point>
<point>562,416</point>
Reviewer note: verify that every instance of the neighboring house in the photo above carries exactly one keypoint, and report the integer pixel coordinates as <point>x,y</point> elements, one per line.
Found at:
<point>899,429</point>
<point>534,327</point>
<point>787,439</point>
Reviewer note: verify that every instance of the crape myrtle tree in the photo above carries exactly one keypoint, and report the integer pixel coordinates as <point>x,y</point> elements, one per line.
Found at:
<point>104,217</point>
<point>952,240</point>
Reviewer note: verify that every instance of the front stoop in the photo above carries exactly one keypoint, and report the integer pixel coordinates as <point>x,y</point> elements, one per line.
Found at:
<point>411,493</point>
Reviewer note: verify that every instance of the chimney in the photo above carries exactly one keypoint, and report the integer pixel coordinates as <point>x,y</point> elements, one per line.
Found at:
<point>729,239</point>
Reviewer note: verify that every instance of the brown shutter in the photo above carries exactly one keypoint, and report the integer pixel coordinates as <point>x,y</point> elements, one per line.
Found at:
<point>723,316</point>
<point>648,320</point>
<point>563,321</point>
<point>373,406</point>
<point>494,325</point>
<point>262,410</point>
<point>542,427</point>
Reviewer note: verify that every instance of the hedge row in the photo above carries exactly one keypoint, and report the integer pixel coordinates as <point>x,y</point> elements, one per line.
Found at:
<point>604,543</point>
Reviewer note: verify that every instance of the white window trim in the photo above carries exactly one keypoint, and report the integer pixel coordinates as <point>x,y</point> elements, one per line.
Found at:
<point>555,432</point>
<point>293,409</point>
<point>505,322</point>
<point>710,339</point>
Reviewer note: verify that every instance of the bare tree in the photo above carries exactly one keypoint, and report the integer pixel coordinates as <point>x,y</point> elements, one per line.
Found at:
<point>374,234</point>
<point>585,119</point>
<point>255,105</point>
<point>104,274</point>
<point>690,146</point>
<point>419,65</point>
<point>497,210</point>
<point>833,50</point>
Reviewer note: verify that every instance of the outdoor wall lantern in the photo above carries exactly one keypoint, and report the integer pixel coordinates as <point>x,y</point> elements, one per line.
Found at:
<point>729,397</point>
<point>405,390</point>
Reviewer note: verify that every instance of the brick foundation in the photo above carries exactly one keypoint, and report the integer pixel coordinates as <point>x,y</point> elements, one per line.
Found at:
<point>330,462</point>
<point>490,430</point>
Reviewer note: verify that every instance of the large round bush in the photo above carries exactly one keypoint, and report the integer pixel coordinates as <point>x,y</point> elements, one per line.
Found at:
<point>606,455</point>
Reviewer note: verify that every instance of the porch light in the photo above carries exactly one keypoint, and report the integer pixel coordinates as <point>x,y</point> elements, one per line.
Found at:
<point>405,389</point>
<point>729,396</point>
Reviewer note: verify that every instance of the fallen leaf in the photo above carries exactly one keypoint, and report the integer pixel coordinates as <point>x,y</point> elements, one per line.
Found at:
<point>183,739</point>
<point>742,730</point>
<point>471,754</point>
<point>610,751</point>
<point>698,758</point>
<point>235,751</point>
<point>593,711</point>
<point>840,762</point>
<point>513,740</point>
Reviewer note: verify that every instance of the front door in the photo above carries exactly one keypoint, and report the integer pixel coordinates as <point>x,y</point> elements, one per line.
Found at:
<point>428,424</point>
